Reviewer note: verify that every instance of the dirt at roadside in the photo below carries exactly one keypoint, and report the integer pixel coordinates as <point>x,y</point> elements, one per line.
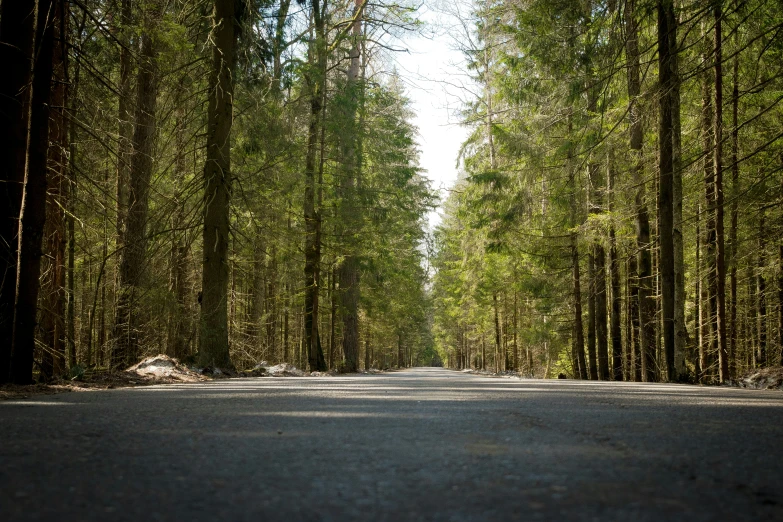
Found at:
<point>159,369</point>
<point>761,379</point>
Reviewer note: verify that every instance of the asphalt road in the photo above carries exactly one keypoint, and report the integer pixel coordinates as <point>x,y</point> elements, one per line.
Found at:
<point>424,444</point>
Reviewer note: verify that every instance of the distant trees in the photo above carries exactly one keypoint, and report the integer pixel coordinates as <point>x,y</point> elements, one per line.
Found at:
<point>605,134</point>
<point>199,157</point>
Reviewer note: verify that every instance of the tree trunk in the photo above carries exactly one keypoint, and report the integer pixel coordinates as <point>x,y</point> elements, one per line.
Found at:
<point>761,295</point>
<point>125,335</point>
<point>498,346</point>
<point>701,297</point>
<point>516,322</point>
<point>733,245</point>
<point>616,310</point>
<point>124,110</point>
<point>709,337</point>
<point>645,360</point>
<point>591,317</point>
<point>666,184</point>
<point>350,223</point>
<point>315,79</point>
<point>720,267</point>
<point>578,347</point>
<point>214,349</point>
<point>32,216</point>
<point>17,31</point>
<point>780,305</point>
<point>680,328</point>
<point>53,311</point>
<point>400,357</point>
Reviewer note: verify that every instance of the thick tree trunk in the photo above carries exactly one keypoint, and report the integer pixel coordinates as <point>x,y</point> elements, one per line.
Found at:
<point>53,291</point>
<point>213,339</point>
<point>125,334</point>
<point>666,185</point>
<point>315,81</point>
<point>350,222</point>
<point>32,217</point>
<point>17,29</point>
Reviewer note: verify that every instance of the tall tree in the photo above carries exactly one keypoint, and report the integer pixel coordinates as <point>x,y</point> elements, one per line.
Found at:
<point>213,349</point>
<point>32,216</point>
<point>666,182</point>
<point>17,29</point>
<point>720,265</point>
<point>126,335</point>
<point>351,167</point>
<point>315,79</point>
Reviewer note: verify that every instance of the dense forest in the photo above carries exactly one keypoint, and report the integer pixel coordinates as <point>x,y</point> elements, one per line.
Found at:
<point>236,181</point>
<point>224,181</point>
<point>619,216</point>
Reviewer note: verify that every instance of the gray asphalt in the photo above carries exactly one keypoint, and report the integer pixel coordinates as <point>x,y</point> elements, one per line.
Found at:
<point>423,444</point>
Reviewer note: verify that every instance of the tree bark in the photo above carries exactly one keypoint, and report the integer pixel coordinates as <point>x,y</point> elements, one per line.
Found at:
<point>32,216</point>
<point>761,295</point>
<point>591,354</point>
<point>125,124</point>
<point>644,360</point>
<point>315,79</point>
<point>125,334</point>
<point>680,328</point>
<point>616,309</point>
<point>53,292</point>
<point>17,31</point>
<point>350,222</point>
<point>733,245</point>
<point>720,267</point>
<point>666,184</point>
<point>213,339</point>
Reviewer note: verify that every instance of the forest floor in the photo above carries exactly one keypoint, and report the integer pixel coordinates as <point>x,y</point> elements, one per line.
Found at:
<point>421,444</point>
<point>155,370</point>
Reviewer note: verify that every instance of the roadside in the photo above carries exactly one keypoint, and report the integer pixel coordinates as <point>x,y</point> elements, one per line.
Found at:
<point>156,370</point>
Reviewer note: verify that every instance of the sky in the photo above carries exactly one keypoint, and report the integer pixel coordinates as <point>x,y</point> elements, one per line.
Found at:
<point>433,70</point>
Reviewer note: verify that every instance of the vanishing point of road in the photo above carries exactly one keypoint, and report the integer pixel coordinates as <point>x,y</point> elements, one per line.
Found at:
<point>423,444</point>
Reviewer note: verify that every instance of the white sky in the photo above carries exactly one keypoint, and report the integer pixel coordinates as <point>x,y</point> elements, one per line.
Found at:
<point>433,70</point>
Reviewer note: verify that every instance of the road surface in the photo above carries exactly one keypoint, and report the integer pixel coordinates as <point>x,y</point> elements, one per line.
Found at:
<point>424,444</point>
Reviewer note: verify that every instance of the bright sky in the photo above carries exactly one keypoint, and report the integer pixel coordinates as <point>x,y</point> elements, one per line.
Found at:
<point>433,71</point>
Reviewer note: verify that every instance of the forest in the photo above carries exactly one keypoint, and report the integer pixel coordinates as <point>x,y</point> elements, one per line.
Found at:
<point>236,181</point>
<point>619,216</point>
<point>223,181</point>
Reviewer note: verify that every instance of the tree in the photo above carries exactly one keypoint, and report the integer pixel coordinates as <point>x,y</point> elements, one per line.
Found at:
<point>17,29</point>
<point>125,334</point>
<point>213,348</point>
